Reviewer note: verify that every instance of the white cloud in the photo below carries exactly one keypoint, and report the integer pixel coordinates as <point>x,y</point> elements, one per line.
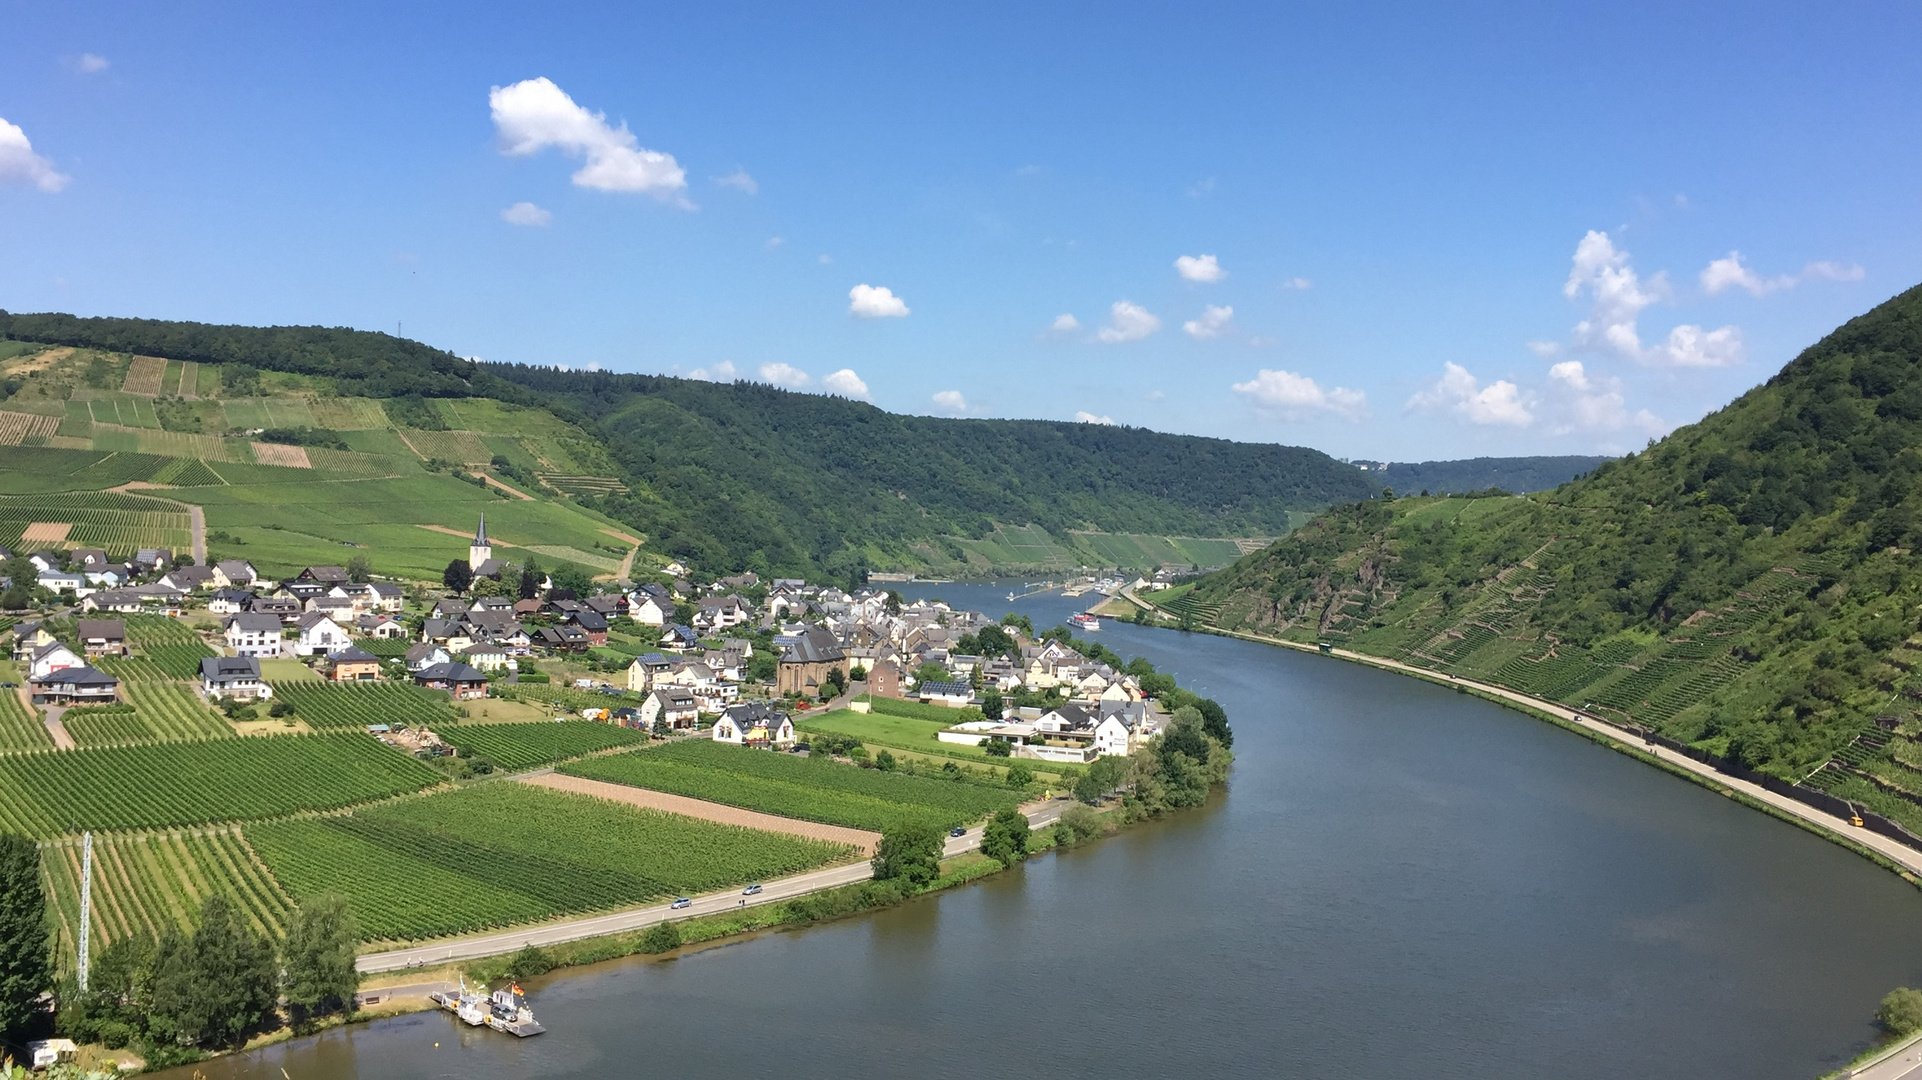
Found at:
<point>1127,322</point>
<point>721,372</point>
<point>1065,324</point>
<point>1202,268</point>
<point>784,375</point>
<point>1214,322</point>
<point>1085,417</point>
<point>1458,392</point>
<point>739,180</point>
<point>875,302</point>
<point>845,383</point>
<point>1201,187</point>
<point>1297,283</point>
<point>526,213</point>
<point>825,260</point>
<point>951,401</point>
<point>1730,272</point>
<point>91,63</point>
<point>534,114</point>
<point>1691,346</point>
<point>18,162</point>
<point>1545,349</point>
<point>1583,402</point>
<point>1297,397</point>
<point>774,242</point>
<point>1617,297</point>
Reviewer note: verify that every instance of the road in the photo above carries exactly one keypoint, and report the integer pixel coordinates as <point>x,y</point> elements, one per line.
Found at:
<point>1902,1063</point>
<point>1893,850</point>
<point>472,948</point>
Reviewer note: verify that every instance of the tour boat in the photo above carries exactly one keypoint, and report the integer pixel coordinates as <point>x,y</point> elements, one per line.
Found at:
<point>1085,620</point>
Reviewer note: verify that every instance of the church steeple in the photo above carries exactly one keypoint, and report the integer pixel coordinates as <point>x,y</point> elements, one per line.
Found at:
<point>480,550</point>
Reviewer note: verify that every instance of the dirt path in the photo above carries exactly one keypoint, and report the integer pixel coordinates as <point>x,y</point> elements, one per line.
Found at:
<point>199,519</point>
<point>706,811</point>
<point>491,482</point>
<point>62,740</point>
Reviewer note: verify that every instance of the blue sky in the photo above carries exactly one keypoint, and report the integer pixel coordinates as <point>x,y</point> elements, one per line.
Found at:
<point>1407,235</point>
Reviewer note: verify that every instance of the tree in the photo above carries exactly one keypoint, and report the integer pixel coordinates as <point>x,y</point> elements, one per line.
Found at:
<point>217,986</point>
<point>1020,622</point>
<point>661,937</point>
<point>320,957</point>
<point>909,853</point>
<point>26,960</point>
<point>531,576</point>
<point>1901,1012</point>
<point>991,703</point>
<point>573,579</point>
<point>994,641</point>
<point>359,569</point>
<point>885,762</point>
<point>458,575</point>
<point>997,747</point>
<point>1214,722</point>
<point>930,672</point>
<point>1019,775</point>
<point>1005,839</point>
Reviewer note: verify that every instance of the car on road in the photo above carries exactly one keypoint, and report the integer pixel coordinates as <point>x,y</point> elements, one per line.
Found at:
<point>751,890</point>
<point>957,831</point>
<point>681,903</point>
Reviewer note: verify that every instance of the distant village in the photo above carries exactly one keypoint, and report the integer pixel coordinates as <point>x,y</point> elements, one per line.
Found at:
<point>734,659</point>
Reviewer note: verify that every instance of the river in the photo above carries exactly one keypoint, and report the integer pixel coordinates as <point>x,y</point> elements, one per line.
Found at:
<point>1399,882</point>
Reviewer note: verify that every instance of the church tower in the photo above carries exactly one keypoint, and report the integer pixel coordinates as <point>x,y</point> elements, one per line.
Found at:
<point>480,550</point>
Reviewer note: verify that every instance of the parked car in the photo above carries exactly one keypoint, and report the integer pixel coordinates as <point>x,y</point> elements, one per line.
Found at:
<point>681,903</point>
<point>751,890</point>
<point>957,831</point>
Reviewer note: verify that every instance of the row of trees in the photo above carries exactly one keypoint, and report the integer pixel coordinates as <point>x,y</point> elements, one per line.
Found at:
<point>180,992</point>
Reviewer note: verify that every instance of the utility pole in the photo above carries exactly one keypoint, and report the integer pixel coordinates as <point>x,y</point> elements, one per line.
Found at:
<point>86,902</point>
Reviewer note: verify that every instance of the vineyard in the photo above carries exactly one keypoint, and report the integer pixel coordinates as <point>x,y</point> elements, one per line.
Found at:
<point>105,725</point>
<point>193,783</point>
<point>498,854</point>
<point>805,788</point>
<point>147,883</point>
<point>117,523</point>
<point>20,728</point>
<point>567,697</point>
<point>351,705</point>
<point>523,746</point>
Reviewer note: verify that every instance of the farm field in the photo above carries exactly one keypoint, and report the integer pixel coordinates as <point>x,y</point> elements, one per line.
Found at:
<point>167,785</point>
<point>806,788</point>
<point>149,882</point>
<point>514,747</point>
<point>116,523</point>
<point>498,854</point>
<point>20,729</point>
<point>326,705</point>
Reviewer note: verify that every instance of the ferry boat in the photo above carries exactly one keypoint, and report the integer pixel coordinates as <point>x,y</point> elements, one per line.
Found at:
<point>1085,620</point>
<point>506,1010</point>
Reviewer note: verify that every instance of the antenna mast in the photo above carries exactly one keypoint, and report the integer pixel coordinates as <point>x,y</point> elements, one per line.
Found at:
<point>86,902</point>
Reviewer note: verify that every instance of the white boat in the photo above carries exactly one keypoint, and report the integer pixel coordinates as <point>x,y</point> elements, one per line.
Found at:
<point>1085,620</point>
<point>506,1010</point>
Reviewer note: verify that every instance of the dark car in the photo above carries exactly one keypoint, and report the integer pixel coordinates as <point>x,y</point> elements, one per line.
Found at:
<point>957,831</point>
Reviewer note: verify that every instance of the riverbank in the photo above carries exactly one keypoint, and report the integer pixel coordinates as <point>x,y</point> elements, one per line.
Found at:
<point>1898,858</point>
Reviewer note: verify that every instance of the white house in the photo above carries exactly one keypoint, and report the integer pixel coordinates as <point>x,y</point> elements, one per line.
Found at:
<point>319,635</point>
<point>754,724</point>
<point>234,677</point>
<point>234,574</point>
<point>721,613</point>
<point>253,635</point>
<point>483,655</point>
<point>61,581</point>
<point>1115,735</point>
<point>649,610</point>
<point>426,655</point>
<point>230,602</point>
<point>48,659</point>
<point>670,707</point>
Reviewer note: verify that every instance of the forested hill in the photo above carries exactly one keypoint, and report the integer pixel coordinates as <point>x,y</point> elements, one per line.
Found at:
<point>1748,584</point>
<point>1519,475</point>
<point>741,466</point>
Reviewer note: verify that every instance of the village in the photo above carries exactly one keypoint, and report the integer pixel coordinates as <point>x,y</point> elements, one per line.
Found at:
<point>736,659</point>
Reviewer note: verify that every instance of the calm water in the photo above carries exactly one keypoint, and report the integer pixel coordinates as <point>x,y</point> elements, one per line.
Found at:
<point>1401,882</point>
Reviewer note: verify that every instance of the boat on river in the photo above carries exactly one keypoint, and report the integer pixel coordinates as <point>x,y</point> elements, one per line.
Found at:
<point>504,1010</point>
<point>1086,620</point>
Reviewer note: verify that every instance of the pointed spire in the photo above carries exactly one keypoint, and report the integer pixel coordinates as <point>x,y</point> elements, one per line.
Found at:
<point>480,535</point>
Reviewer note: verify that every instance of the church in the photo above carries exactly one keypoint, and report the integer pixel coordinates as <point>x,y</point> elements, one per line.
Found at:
<point>480,554</point>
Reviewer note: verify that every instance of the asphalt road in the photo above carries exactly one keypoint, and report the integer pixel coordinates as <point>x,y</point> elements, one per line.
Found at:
<point>471,948</point>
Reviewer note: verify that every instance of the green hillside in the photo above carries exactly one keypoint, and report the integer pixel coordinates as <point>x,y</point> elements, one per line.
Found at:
<point>1747,585</point>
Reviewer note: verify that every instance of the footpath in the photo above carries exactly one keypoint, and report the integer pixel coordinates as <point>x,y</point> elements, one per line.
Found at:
<point>1900,854</point>
<point>473,948</point>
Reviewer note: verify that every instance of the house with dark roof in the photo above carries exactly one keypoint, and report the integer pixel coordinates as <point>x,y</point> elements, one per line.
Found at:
<point>672,708</point>
<point>353,664</point>
<point>954,695</point>
<point>188,578</point>
<point>562,638</point>
<point>328,576</point>
<point>678,638</point>
<point>754,723</point>
<point>254,634</point>
<point>425,655</point>
<point>230,601</point>
<point>463,681</point>
<point>593,624</point>
<point>102,637</point>
<point>74,686</point>
<point>286,609</point>
<point>234,677</point>
<point>235,574</point>
<point>806,661</point>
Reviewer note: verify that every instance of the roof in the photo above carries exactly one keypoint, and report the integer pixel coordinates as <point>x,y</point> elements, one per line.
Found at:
<point>590,620</point>
<point>352,654</point>
<point>191,573</point>
<point>100,628</point>
<point>754,712</point>
<point>814,646</point>
<point>675,697</point>
<point>452,671</point>
<point>945,689</point>
<point>480,534</point>
<point>325,573</point>
<point>422,651</point>
<point>315,618</point>
<point>384,589</point>
<point>78,676</point>
<point>234,568</point>
<point>221,668</point>
<point>481,648</point>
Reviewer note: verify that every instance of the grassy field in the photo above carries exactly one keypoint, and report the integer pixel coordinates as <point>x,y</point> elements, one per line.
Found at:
<point>498,854</point>
<point>810,789</point>
<point>167,785</point>
<point>523,746</point>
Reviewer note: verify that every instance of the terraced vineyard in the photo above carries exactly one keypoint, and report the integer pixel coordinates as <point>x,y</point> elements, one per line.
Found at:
<point>114,522</point>
<point>166,785</point>
<point>805,788</point>
<point>325,705</point>
<point>498,854</point>
<point>523,746</point>
<point>149,882</point>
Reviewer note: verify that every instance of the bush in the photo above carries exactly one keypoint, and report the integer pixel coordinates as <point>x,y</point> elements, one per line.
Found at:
<point>1019,775</point>
<point>1901,1012</point>
<point>1005,840</point>
<point>1081,823</point>
<point>532,960</point>
<point>661,937</point>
